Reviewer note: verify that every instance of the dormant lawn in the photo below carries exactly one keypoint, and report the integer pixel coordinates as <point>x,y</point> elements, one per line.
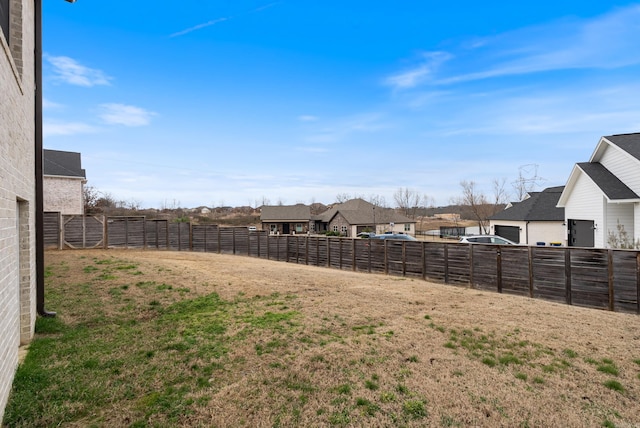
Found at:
<point>157,339</point>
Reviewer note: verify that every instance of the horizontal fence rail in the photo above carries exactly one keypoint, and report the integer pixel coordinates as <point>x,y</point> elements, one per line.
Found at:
<point>606,279</point>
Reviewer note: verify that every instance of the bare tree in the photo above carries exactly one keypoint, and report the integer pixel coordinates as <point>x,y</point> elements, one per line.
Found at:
<point>480,205</point>
<point>408,201</point>
<point>90,195</point>
<point>342,197</point>
<point>377,200</point>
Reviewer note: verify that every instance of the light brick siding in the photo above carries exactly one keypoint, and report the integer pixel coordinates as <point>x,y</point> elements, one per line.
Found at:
<point>17,192</point>
<point>64,195</point>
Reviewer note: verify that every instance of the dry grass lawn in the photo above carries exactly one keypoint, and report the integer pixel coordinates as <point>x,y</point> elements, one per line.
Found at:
<point>309,346</point>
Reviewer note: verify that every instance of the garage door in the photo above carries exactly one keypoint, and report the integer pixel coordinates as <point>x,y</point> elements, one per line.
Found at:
<point>512,233</point>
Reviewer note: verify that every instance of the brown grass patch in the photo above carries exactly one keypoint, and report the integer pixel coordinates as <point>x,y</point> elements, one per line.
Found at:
<point>309,346</point>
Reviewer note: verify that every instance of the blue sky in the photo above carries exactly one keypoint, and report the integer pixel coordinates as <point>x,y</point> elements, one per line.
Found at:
<point>233,103</point>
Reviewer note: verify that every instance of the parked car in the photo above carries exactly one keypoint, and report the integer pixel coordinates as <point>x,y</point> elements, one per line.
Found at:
<point>400,236</point>
<point>252,228</point>
<point>366,235</point>
<point>486,239</point>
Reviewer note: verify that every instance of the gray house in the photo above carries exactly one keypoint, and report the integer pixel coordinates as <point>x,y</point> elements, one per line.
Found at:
<point>536,220</point>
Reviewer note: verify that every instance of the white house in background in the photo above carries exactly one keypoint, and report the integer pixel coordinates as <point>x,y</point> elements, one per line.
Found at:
<point>536,220</point>
<point>601,198</point>
<point>63,182</point>
<point>18,196</point>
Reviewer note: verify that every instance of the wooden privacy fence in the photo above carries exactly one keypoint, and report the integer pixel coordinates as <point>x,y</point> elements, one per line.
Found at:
<point>596,278</point>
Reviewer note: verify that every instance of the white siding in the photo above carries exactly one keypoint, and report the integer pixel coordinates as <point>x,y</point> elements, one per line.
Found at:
<point>623,166</point>
<point>619,214</point>
<point>586,202</point>
<point>17,193</point>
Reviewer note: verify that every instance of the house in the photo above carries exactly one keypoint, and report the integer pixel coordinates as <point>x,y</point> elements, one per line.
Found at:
<point>64,181</point>
<point>285,219</point>
<point>357,215</point>
<point>600,198</point>
<point>21,148</point>
<point>536,220</point>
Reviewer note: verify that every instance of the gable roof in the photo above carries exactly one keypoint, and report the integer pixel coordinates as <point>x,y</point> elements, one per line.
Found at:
<point>64,164</point>
<point>358,211</point>
<point>611,186</point>
<point>630,143</point>
<point>539,206</point>
<point>298,212</point>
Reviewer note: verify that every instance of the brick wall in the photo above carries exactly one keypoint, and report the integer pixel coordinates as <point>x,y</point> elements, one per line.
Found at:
<point>64,195</point>
<point>17,192</point>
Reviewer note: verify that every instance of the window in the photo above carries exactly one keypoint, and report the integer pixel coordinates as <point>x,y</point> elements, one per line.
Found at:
<point>407,227</point>
<point>335,228</point>
<point>344,229</point>
<point>4,18</point>
<point>298,227</point>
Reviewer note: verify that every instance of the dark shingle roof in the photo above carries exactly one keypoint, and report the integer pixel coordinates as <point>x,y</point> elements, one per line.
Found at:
<point>611,186</point>
<point>359,211</point>
<point>630,143</point>
<point>539,206</point>
<point>299,212</point>
<point>66,164</point>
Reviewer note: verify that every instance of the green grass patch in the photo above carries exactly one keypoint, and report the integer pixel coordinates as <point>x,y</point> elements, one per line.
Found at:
<point>614,385</point>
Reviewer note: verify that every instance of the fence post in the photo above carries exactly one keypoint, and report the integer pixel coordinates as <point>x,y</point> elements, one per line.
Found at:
<point>446,263</point>
<point>219,240</point>
<point>499,268</point>
<point>386,257</point>
<point>471,266</point>
<point>106,231</point>
<point>610,277</point>
<point>530,252</point>
<point>404,258</point>
<point>328,251</point>
<point>353,254</point>
<point>423,254</point>
<point>567,275</point>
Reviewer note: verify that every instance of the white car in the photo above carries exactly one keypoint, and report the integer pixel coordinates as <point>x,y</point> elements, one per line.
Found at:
<point>252,228</point>
<point>486,239</point>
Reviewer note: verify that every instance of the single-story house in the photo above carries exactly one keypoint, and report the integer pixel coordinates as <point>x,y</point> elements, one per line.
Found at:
<point>64,181</point>
<point>601,197</point>
<point>285,219</point>
<point>357,215</point>
<point>536,220</point>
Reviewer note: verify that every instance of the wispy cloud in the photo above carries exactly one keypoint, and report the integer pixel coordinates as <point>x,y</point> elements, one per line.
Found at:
<point>307,118</point>
<point>428,65</point>
<point>69,71</point>
<point>369,122</point>
<point>266,6</point>
<point>199,27</point>
<point>122,114</point>
<point>605,42</point>
<point>52,129</point>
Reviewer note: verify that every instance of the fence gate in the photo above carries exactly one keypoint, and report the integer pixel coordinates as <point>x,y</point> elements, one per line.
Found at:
<point>80,231</point>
